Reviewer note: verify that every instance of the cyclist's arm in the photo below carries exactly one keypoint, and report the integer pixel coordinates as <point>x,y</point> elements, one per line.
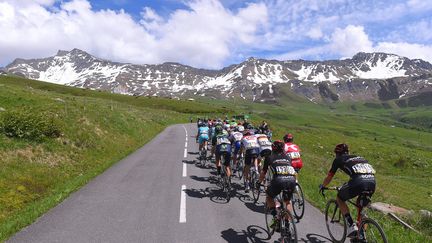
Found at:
<point>331,173</point>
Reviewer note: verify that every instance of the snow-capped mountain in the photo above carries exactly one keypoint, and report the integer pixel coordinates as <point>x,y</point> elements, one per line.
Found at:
<point>366,76</point>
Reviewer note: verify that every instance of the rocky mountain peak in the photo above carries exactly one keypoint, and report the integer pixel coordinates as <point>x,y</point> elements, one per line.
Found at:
<point>360,78</point>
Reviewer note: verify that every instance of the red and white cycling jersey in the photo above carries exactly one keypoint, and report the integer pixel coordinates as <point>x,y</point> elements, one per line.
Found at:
<point>250,142</point>
<point>293,150</point>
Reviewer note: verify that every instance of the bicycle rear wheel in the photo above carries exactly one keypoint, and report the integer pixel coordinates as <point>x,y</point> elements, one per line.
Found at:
<point>371,231</point>
<point>298,202</point>
<point>288,228</point>
<point>256,190</point>
<point>240,168</point>
<point>334,221</point>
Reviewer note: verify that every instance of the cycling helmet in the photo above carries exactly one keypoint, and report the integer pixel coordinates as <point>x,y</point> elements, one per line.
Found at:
<point>247,133</point>
<point>278,146</point>
<point>341,148</point>
<point>240,128</point>
<point>288,137</point>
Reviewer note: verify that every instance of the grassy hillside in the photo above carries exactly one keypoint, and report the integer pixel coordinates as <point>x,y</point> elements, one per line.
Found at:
<point>96,130</point>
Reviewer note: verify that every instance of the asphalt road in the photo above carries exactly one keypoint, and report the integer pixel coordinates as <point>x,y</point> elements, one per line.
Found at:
<point>157,194</point>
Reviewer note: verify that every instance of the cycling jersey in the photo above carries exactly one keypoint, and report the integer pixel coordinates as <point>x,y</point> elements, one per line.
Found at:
<point>203,134</point>
<point>235,139</point>
<point>280,165</point>
<point>362,175</point>
<point>250,143</point>
<point>223,147</point>
<point>264,144</point>
<point>283,175</point>
<point>353,166</point>
<point>293,150</point>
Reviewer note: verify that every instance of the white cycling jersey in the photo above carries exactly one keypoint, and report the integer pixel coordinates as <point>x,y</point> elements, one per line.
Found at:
<point>236,136</point>
<point>250,142</point>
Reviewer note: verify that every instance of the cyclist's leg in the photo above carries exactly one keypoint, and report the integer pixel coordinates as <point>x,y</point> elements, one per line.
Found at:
<point>272,191</point>
<point>227,163</point>
<point>218,160</point>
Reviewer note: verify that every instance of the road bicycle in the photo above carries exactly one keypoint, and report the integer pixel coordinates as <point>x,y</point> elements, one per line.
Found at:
<point>369,230</point>
<point>225,182</point>
<point>203,156</point>
<point>298,202</point>
<point>285,221</point>
<point>254,186</point>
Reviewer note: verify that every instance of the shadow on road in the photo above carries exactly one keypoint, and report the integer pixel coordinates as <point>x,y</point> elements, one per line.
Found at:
<point>255,208</point>
<point>315,238</point>
<point>253,233</point>
<point>191,162</point>
<point>194,153</point>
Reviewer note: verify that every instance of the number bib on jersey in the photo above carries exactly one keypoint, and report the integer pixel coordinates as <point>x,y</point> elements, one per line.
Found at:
<point>285,170</point>
<point>223,140</point>
<point>294,155</point>
<point>237,136</point>
<point>363,168</point>
<point>251,144</point>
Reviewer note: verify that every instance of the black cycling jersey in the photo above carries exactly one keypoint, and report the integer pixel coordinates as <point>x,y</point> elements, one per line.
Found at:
<point>280,165</point>
<point>352,165</point>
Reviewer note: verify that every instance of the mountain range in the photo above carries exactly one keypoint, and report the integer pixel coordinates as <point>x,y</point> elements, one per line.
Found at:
<point>364,77</point>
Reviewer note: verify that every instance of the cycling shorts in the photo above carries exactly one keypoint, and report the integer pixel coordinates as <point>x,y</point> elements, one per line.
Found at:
<point>237,146</point>
<point>286,184</point>
<point>265,151</point>
<point>356,186</point>
<point>250,155</point>
<point>225,150</point>
<point>202,138</point>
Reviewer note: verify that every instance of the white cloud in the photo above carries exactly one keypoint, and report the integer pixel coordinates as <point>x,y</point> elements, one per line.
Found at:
<point>202,35</point>
<point>353,39</point>
<point>350,40</point>
<point>414,51</point>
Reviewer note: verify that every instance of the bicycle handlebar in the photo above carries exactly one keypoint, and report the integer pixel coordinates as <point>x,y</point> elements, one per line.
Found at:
<point>332,188</point>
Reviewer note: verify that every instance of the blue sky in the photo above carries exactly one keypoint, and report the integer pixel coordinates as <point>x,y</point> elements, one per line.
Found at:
<point>215,33</point>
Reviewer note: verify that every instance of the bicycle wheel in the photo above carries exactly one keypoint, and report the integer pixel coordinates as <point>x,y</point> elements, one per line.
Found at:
<point>334,221</point>
<point>240,168</point>
<point>298,202</point>
<point>288,228</point>
<point>371,232</point>
<point>268,219</point>
<point>256,190</point>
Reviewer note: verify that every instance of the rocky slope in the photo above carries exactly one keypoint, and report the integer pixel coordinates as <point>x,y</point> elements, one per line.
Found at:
<point>366,76</point>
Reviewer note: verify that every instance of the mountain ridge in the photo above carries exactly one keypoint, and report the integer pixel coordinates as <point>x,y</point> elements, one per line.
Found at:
<point>365,76</point>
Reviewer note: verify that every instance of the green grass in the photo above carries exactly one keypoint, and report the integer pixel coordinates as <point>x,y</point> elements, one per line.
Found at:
<point>98,129</point>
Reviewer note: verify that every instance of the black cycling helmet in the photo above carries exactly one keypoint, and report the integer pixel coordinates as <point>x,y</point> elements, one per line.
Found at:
<point>278,146</point>
<point>341,148</point>
<point>288,138</point>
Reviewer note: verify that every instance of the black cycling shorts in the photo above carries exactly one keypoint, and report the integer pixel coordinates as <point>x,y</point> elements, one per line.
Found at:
<point>278,185</point>
<point>250,155</point>
<point>356,186</point>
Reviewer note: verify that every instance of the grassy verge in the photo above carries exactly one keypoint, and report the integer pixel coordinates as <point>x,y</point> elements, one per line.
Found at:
<point>97,130</point>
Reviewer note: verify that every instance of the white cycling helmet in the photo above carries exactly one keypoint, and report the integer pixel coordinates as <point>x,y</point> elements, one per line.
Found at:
<point>240,128</point>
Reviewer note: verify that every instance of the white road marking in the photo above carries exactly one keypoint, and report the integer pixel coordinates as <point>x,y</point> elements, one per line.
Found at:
<point>184,169</point>
<point>186,145</point>
<point>182,218</point>
<point>185,152</point>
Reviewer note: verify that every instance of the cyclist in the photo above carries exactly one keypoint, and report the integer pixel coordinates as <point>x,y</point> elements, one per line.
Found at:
<point>236,138</point>
<point>293,150</point>
<point>251,147</point>
<point>223,147</point>
<point>283,178</point>
<point>216,126</point>
<point>362,178</point>
<point>202,136</point>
